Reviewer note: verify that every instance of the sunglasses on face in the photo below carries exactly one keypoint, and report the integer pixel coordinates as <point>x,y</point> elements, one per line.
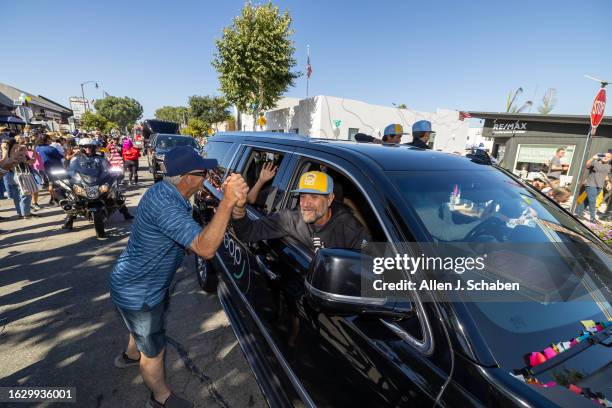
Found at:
<point>199,173</point>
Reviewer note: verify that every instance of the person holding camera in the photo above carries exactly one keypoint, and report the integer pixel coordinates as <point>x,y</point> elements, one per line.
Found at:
<point>598,177</point>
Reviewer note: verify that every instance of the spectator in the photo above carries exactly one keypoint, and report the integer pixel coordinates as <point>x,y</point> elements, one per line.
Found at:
<point>393,134</point>
<point>421,133</point>
<point>3,141</point>
<point>35,165</point>
<point>58,144</point>
<point>555,168</point>
<point>21,198</point>
<point>114,158</point>
<point>52,159</point>
<point>598,177</point>
<point>560,194</point>
<point>70,151</point>
<point>131,155</point>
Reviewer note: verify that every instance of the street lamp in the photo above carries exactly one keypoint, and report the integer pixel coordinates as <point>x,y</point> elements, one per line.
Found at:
<point>83,92</point>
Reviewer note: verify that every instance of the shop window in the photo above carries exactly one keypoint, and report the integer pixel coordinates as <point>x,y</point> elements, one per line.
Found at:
<point>531,159</point>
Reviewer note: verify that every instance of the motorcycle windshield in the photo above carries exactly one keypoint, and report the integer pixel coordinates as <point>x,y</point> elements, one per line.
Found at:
<point>90,170</point>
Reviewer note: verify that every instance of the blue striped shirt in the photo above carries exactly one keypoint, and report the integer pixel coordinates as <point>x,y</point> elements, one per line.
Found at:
<point>161,231</point>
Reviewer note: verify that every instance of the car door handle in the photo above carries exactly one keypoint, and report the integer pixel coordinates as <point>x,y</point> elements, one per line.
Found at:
<point>264,267</point>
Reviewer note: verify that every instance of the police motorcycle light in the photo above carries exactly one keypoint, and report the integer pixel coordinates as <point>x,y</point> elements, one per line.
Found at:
<point>58,172</point>
<point>104,188</point>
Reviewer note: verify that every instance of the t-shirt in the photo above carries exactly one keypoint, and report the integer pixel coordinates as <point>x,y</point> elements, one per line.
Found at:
<point>51,157</point>
<point>597,174</point>
<point>163,228</point>
<point>554,162</point>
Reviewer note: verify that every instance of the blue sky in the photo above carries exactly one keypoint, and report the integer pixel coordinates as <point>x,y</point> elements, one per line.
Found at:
<point>426,54</point>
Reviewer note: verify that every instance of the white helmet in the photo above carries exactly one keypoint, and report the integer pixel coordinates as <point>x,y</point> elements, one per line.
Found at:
<point>86,141</point>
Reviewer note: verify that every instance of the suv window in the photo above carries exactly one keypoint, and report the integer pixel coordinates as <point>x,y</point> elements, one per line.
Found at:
<point>168,142</point>
<point>346,193</point>
<point>262,197</point>
<point>222,151</point>
<point>349,194</point>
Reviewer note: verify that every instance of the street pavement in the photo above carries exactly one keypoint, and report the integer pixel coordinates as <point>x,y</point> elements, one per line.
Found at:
<point>58,327</point>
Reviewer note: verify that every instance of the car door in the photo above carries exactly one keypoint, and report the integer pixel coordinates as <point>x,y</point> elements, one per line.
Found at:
<point>366,361</point>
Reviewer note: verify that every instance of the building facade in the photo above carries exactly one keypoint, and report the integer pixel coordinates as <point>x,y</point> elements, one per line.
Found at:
<point>38,112</point>
<point>525,143</point>
<point>339,118</point>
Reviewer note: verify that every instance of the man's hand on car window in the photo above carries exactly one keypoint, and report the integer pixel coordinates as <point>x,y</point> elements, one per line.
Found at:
<point>235,190</point>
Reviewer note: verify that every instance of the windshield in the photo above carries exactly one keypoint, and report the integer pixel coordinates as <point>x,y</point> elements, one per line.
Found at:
<point>521,228</point>
<point>168,142</point>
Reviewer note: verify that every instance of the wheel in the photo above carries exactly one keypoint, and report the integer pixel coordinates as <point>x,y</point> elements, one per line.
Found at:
<point>98,219</point>
<point>156,176</point>
<point>207,277</point>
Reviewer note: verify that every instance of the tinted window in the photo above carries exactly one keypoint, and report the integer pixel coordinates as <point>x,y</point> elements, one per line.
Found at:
<point>223,153</point>
<point>168,142</point>
<point>263,197</point>
<point>220,151</point>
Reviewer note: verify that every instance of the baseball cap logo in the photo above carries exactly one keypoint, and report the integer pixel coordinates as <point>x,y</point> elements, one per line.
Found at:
<point>310,180</point>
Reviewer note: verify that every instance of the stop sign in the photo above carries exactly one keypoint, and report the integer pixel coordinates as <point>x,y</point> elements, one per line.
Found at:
<point>599,106</point>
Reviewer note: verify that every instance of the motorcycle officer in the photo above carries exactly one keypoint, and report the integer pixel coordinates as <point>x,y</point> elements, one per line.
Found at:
<point>88,158</point>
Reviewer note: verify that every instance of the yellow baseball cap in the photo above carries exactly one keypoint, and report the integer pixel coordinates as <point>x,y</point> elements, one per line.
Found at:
<point>315,182</point>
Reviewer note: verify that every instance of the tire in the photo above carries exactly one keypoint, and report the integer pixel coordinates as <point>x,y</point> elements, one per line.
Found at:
<point>207,276</point>
<point>98,219</point>
<point>156,176</point>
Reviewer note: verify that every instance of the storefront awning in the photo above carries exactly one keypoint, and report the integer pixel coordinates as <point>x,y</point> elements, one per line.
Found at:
<point>12,119</point>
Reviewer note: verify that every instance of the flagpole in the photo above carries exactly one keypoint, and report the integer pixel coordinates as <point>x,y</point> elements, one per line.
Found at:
<point>307,75</point>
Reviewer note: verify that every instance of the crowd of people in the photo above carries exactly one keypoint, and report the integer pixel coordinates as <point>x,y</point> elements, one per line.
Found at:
<point>28,159</point>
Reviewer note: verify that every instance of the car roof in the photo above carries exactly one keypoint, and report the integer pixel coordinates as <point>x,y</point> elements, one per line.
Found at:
<point>388,157</point>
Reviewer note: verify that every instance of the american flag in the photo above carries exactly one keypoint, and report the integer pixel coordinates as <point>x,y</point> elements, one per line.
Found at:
<point>308,68</point>
<point>464,115</point>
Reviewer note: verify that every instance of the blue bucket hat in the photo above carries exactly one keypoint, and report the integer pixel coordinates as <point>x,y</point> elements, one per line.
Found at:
<point>184,159</point>
<point>422,126</point>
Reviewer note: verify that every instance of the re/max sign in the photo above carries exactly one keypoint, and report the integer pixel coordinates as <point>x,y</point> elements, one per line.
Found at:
<point>509,127</point>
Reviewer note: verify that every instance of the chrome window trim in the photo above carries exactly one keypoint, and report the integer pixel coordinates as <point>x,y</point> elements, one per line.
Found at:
<point>345,298</point>
<point>426,346</point>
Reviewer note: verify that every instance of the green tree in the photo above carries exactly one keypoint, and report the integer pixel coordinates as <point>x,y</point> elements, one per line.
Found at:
<point>176,114</point>
<point>92,121</point>
<point>108,127</point>
<point>254,58</point>
<point>208,109</point>
<point>123,111</point>
<point>196,128</point>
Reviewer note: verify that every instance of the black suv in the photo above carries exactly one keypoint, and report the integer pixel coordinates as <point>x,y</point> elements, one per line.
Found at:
<point>159,145</point>
<point>355,351</point>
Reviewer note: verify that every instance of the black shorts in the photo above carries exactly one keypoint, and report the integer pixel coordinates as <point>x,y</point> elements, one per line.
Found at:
<point>148,327</point>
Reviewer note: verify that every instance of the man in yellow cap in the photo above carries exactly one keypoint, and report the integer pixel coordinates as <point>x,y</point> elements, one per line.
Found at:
<point>319,222</point>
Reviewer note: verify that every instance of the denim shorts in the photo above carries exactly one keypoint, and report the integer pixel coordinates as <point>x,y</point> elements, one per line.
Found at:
<point>148,327</point>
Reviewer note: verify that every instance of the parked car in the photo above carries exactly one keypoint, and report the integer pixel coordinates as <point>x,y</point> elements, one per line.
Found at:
<point>160,145</point>
<point>352,351</point>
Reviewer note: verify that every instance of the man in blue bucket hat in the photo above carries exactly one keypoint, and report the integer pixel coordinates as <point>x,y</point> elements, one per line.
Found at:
<point>421,132</point>
<point>162,231</point>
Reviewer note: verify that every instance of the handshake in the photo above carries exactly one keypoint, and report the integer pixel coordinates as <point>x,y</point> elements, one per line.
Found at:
<point>235,191</point>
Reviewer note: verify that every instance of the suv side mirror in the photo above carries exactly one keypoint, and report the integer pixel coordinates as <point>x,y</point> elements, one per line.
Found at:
<point>333,286</point>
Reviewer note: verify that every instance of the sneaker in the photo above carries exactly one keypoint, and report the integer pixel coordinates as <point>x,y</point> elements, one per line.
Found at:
<point>35,207</point>
<point>123,361</point>
<point>173,401</point>
<point>26,217</point>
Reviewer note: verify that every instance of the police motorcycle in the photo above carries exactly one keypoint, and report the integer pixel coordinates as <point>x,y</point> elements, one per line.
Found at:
<point>90,188</point>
